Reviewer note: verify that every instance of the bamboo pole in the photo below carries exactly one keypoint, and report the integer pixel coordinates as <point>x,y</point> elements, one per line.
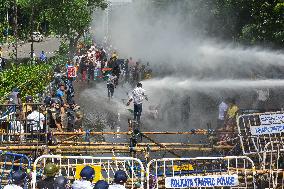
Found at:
<point>108,147</point>
<point>161,145</point>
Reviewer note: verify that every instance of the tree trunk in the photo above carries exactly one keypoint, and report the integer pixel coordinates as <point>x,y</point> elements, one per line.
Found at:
<point>73,42</point>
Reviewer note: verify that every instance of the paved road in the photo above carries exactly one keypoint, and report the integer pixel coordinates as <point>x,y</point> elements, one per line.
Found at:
<point>49,45</point>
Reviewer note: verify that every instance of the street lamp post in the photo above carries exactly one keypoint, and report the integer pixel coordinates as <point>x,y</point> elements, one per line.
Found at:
<point>16,29</point>
<point>31,32</point>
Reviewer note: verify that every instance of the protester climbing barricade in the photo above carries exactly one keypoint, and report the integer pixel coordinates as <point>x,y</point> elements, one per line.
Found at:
<point>11,162</point>
<point>273,165</point>
<point>105,167</point>
<point>256,130</point>
<point>201,172</point>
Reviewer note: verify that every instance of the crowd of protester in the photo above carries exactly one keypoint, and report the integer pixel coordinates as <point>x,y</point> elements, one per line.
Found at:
<point>51,180</point>
<point>57,110</point>
<point>99,63</point>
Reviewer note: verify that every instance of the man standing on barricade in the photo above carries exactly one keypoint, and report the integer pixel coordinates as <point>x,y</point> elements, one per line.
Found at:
<point>54,115</point>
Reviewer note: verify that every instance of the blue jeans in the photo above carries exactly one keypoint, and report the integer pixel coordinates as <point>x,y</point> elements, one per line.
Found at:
<point>137,112</point>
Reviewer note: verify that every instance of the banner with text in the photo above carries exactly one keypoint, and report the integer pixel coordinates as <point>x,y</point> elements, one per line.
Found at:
<point>71,71</point>
<point>269,124</point>
<point>201,181</point>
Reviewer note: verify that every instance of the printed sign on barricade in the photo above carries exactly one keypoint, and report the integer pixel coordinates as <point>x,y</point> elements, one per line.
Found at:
<point>257,129</point>
<point>105,168</point>
<point>269,124</point>
<point>230,172</point>
<point>201,181</point>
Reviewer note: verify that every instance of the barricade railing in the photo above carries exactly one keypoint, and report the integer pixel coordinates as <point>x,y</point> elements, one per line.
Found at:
<point>258,129</point>
<point>105,168</point>
<point>200,172</point>
<point>273,165</point>
<point>11,162</point>
<point>15,125</point>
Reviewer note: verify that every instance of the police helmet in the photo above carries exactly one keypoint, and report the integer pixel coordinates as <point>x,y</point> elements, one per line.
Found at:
<point>120,177</point>
<point>18,177</point>
<point>60,182</point>
<point>47,100</point>
<point>87,173</point>
<point>29,99</point>
<point>101,184</point>
<point>55,101</point>
<point>50,169</point>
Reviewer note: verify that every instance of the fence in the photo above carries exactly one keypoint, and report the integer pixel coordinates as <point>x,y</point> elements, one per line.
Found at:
<point>273,165</point>
<point>105,167</point>
<point>11,162</point>
<point>16,126</point>
<point>228,172</point>
<point>256,130</point>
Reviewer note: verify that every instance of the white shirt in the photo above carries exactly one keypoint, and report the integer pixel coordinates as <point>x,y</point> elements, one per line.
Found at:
<point>116,186</point>
<point>263,94</point>
<point>12,186</point>
<point>16,127</point>
<point>138,95</point>
<point>111,79</point>
<point>37,118</point>
<point>223,107</point>
<point>82,184</point>
<point>99,65</point>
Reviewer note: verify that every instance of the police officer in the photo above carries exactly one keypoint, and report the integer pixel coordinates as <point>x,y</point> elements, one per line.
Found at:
<point>18,180</point>
<point>50,170</point>
<point>60,182</point>
<point>87,174</point>
<point>120,179</point>
<point>101,184</point>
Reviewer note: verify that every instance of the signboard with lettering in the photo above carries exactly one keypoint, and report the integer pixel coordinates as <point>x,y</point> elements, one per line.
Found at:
<point>269,124</point>
<point>201,181</point>
<point>71,70</point>
<point>183,167</point>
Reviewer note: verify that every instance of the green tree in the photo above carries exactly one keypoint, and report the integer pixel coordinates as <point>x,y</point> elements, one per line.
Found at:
<point>71,18</point>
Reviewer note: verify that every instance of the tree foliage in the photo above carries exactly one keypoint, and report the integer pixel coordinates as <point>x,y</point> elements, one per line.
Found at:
<point>67,18</point>
<point>249,22</point>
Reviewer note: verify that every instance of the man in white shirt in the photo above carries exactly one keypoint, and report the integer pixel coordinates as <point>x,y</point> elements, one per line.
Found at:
<point>223,107</point>
<point>36,120</point>
<point>137,96</point>
<point>111,85</point>
<point>262,98</point>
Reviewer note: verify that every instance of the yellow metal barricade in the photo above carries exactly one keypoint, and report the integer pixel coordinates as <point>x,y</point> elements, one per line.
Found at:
<point>201,172</point>
<point>105,168</point>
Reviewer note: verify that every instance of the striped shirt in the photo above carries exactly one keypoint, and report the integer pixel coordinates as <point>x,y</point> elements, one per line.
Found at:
<point>138,95</point>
